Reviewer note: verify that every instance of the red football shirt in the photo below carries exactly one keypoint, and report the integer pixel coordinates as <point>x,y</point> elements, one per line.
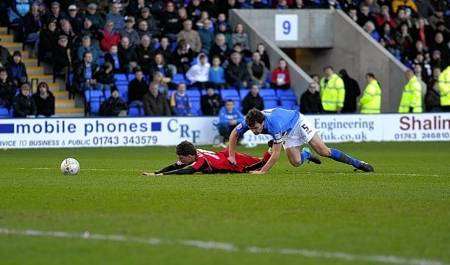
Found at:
<point>211,162</point>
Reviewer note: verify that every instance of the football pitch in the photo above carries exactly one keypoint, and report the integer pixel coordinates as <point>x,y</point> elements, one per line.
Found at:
<point>314,214</point>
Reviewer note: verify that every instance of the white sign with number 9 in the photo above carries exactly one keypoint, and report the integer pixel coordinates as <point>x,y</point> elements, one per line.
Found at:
<point>286,27</point>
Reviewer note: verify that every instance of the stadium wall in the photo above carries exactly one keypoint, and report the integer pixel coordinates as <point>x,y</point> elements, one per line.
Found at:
<point>163,131</point>
<point>327,37</point>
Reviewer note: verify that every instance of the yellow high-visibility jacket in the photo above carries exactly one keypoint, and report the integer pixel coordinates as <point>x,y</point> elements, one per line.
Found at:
<point>370,102</point>
<point>444,87</point>
<point>332,93</point>
<point>411,97</point>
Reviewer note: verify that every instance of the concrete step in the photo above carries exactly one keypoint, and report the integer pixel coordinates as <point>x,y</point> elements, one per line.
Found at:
<point>29,62</point>
<point>59,94</point>
<point>6,37</point>
<point>3,30</point>
<point>64,103</point>
<point>69,112</point>
<point>12,46</point>
<point>41,78</point>
<point>35,70</point>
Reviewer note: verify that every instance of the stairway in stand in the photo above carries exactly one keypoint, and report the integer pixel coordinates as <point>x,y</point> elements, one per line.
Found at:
<point>64,107</point>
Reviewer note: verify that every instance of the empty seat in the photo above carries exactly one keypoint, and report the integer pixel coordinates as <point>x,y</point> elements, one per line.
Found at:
<point>270,103</point>
<point>268,93</point>
<point>178,78</point>
<point>196,109</point>
<point>4,112</point>
<point>289,104</point>
<point>92,94</point>
<point>194,93</point>
<point>286,94</point>
<point>135,111</point>
<point>120,77</point>
<point>243,93</point>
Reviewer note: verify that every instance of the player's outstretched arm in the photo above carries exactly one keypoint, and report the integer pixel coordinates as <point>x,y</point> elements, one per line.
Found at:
<point>232,146</point>
<point>171,167</point>
<point>182,171</point>
<point>276,152</point>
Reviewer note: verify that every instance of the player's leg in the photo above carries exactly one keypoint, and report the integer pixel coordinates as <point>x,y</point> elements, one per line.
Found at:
<point>319,146</point>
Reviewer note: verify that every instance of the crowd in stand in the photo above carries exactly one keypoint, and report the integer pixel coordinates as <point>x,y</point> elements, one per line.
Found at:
<point>88,42</point>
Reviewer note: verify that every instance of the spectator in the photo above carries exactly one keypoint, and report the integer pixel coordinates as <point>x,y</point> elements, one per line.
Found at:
<point>23,103</point>
<point>252,100</point>
<point>411,100</point>
<point>403,39</point>
<point>88,29</point>
<point>206,35</point>
<point>211,103</point>
<point>161,82</point>
<point>165,50</point>
<point>257,70</point>
<point>144,54</point>
<point>127,56</point>
<point>432,98</point>
<point>385,17</point>
<point>370,102</point>
<point>310,102</point>
<point>184,55</point>
<point>17,70</point>
<point>417,68</point>
<point>130,32</point>
<point>179,101</point>
<point>190,36</point>
<point>369,27</point>
<point>159,65</point>
<point>4,56</point>
<point>112,57</point>
<point>219,48</point>
<point>7,89</point>
<point>404,4</point>
<point>93,16</point>
<point>223,28</point>
<point>75,18</point>
<point>280,76</point>
<point>44,100</point>
<point>138,87</point>
<point>85,74</point>
<point>240,37</point>
<point>424,8</point>
<point>115,16</point>
<point>198,74</point>
<point>217,74</point>
<point>170,21</point>
<point>229,117</point>
<point>55,13</point>
<point>332,91</point>
<point>152,25</point>
<point>236,72</point>
<point>87,46</point>
<point>113,106</point>
<point>155,103</point>
<point>32,23</point>
<point>143,29</point>
<point>352,92</point>
<point>110,37</point>
<point>105,76</point>
<point>66,29</point>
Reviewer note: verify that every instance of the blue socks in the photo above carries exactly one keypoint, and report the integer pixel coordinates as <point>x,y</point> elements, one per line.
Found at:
<point>344,158</point>
<point>305,155</point>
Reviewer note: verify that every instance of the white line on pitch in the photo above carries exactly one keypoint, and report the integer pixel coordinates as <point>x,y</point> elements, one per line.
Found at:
<point>227,247</point>
<point>84,169</point>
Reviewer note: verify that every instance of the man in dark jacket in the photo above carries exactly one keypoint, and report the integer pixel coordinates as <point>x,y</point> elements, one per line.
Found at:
<point>113,106</point>
<point>155,104</point>
<point>17,70</point>
<point>252,100</point>
<point>7,89</point>
<point>211,103</point>
<point>4,56</point>
<point>310,102</point>
<point>85,73</point>
<point>127,55</point>
<point>44,100</point>
<point>138,87</point>
<point>237,74</point>
<point>352,92</point>
<point>23,103</point>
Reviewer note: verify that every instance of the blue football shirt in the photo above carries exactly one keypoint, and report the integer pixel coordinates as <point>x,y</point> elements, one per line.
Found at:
<point>278,122</point>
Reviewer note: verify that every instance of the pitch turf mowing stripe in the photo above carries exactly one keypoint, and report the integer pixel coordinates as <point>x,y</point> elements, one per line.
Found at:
<point>228,247</point>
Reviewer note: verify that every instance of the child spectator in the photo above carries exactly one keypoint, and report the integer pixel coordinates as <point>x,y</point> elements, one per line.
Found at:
<point>44,100</point>
<point>229,117</point>
<point>179,101</point>
<point>217,74</point>
<point>280,76</point>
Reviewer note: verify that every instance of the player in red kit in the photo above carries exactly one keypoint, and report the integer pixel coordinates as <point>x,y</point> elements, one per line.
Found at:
<point>192,160</point>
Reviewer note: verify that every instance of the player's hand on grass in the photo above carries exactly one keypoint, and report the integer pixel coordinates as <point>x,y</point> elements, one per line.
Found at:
<point>232,160</point>
<point>258,172</point>
<point>148,174</point>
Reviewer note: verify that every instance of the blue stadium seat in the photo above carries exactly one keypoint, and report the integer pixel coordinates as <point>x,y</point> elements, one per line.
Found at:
<point>91,94</point>
<point>94,106</point>
<point>243,93</point>
<point>135,111</point>
<point>123,91</point>
<point>194,93</point>
<point>270,103</point>
<point>268,93</point>
<point>286,94</point>
<point>196,109</point>
<point>232,94</point>
<point>289,104</point>
<point>121,77</point>
<point>179,78</point>
<point>4,112</point>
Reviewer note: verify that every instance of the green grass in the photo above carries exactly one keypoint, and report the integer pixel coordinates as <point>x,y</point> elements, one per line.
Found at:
<point>402,210</point>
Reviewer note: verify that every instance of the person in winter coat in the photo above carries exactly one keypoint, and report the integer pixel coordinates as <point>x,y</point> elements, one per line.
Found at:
<point>113,106</point>
<point>7,89</point>
<point>198,74</point>
<point>211,103</point>
<point>352,92</point>
<point>252,100</point>
<point>17,70</point>
<point>236,73</point>
<point>310,102</point>
<point>138,87</point>
<point>155,103</point>
<point>44,100</point>
<point>24,105</point>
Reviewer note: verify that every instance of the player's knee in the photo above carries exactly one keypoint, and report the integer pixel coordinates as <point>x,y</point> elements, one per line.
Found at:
<point>324,151</point>
<point>295,163</point>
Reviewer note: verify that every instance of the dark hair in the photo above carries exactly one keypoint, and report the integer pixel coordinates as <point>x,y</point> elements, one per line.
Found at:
<point>328,67</point>
<point>43,84</point>
<point>17,53</point>
<point>371,75</point>
<point>186,148</point>
<point>254,116</point>
<point>3,70</point>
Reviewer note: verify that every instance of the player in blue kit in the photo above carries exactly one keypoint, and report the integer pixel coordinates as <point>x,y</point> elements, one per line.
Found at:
<point>290,129</point>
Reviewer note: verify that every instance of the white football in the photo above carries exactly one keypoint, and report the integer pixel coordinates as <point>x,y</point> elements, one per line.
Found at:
<point>70,166</point>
